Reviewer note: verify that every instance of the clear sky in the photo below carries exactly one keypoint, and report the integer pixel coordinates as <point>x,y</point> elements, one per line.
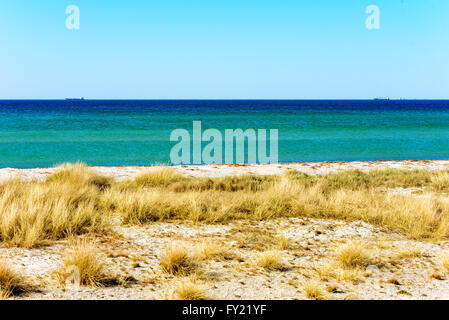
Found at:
<point>175,49</point>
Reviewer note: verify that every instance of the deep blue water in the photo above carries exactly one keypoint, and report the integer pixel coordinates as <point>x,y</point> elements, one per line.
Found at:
<point>111,133</point>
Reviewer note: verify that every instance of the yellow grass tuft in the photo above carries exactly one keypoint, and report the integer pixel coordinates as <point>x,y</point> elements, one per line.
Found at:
<point>158,178</point>
<point>284,242</point>
<point>10,282</point>
<point>410,252</point>
<point>445,261</point>
<point>177,260</point>
<point>313,291</point>
<point>440,182</point>
<point>207,250</point>
<point>84,260</point>
<point>189,289</point>
<point>78,174</point>
<point>258,240</point>
<point>271,260</point>
<point>335,271</point>
<point>34,213</point>
<point>355,254</point>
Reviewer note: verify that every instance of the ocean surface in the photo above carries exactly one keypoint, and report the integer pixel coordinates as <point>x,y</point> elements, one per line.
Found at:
<point>114,133</point>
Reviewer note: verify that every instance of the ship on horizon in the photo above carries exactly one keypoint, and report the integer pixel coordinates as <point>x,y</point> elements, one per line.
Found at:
<point>75,99</point>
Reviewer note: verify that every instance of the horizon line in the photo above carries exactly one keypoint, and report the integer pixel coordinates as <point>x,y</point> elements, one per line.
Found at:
<point>222,99</point>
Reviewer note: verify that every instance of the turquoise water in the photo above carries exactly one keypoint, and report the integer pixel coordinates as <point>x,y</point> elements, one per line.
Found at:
<point>113,133</point>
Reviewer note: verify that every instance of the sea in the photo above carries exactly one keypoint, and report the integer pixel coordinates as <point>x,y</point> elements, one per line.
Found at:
<point>45,133</point>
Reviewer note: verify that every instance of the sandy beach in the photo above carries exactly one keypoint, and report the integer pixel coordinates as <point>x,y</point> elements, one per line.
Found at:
<point>136,254</point>
<point>306,251</point>
<point>124,172</point>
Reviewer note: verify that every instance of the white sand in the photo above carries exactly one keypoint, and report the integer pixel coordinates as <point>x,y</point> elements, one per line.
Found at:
<point>124,172</point>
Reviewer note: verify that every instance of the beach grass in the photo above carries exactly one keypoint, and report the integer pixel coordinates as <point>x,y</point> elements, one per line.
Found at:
<point>271,260</point>
<point>313,291</point>
<point>177,260</point>
<point>83,260</point>
<point>34,212</point>
<point>355,254</point>
<point>332,196</point>
<point>11,283</point>
<point>76,201</point>
<point>209,250</point>
<point>189,288</point>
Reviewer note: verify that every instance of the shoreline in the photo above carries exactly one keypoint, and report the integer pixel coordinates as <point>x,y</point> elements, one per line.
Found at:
<point>221,170</point>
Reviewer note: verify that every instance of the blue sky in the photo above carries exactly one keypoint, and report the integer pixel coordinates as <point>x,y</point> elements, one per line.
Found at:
<point>227,49</point>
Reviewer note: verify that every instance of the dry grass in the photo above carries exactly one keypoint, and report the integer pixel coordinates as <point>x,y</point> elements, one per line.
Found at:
<point>189,289</point>
<point>287,196</point>
<point>313,291</point>
<point>271,260</point>
<point>78,174</point>
<point>207,250</point>
<point>284,242</point>
<point>75,201</point>
<point>67,204</point>
<point>177,260</point>
<point>440,182</point>
<point>355,254</point>
<point>407,253</point>
<point>351,260</point>
<point>84,260</point>
<point>171,180</point>
<point>245,183</point>
<point>377,178</point>
<point>335,271</point>
<point>10,282</point>
<point>160,178</point>
<point>255,240</point>
<point>445,261</point>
